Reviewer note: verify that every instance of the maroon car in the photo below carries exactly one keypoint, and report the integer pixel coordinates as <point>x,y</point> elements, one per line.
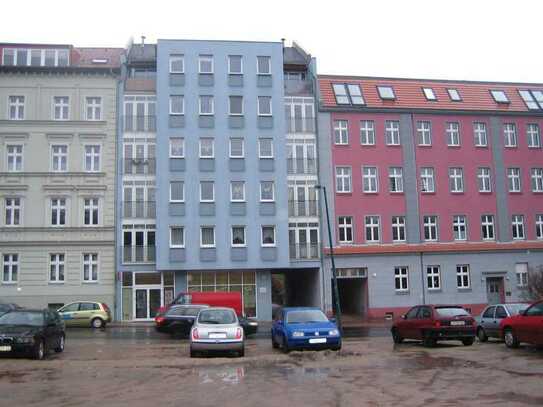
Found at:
<point>524,327</point>
<point>432,323</point>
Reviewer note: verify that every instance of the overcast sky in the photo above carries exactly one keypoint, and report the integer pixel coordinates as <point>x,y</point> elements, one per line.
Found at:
<point>460,39</point>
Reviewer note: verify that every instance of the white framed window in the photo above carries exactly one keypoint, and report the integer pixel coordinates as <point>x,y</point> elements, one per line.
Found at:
<point>479,134</point>
<point>534,136</point>
<point>341,132</point>
<point>92,158</point>
<point>521,272</point>
<point>235,64</point>
<point>430,228</point>
<point>427,182</point>
<point>91,211</point>
<point>456,180</point>
<point>463,279</point>
<point>345,228</point>
<point>61,108</point>
<point>373,228</point>
<point>235,105</point>
<point>268,236</point>
<point>237,148</point>
<point>16,107</point>
<point>539,226</point>
<point>484,180</point>
<point>395,178</point>
<point>487,227</point>
<point>429,94</point>
<point>58,211</point>
<point>510,134</point>
<point>537,179</point>
<point>367,133</point>
<point>177,237</point>
<point>392,132</point>
<point>460,227</point>
<point>177,191</point>
<point>433,277</point>
<point>90,267</point>
<point>343,179</point>
<point>177,63</point>
<point>207,148</point>
<point>424,133</point>
<point>265,148</point>
<point>267,191</point>
<point>370,180</point>
<point>401,279</point>
<point>238,236</point>
<point>14,157</point>
<point>237,191</point>
<point>93,108</point>
<point>177,105</point>
<point>263,65</point>
<point>517,224</point>
<point>386,92</point>
<point>177,148</point>
<point>264,106</point>
<point>513,177</point>
<point>59,158</point>
<point>207,236</point>
<point>205,64</point>
<point>10,268</point>
<point>13,211</point>
<point>206,105</point>
<point>207,191</point>
<point>56,268</point>
<point>453,134</point>
<point>398,228</point>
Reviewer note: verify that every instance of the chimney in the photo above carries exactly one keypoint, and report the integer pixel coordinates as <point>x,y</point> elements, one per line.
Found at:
<point>142,40</point>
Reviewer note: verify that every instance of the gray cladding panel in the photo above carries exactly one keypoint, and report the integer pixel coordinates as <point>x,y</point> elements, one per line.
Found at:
<point>410,179</point>
<point>265,122</point>
<point>208,254</point>
<point>238,208</point>
<point>237,164</point>
<point>267,208</point>
<point>207,164</point>
<point>266,164</point>
<point>206,122</point>
<point>176,121</point>
<point>177,164</point>
<point>503,221</point>
<point>268,253</point>
<point>207,209</point>
<point>177,79</point>
<point>177,209</point>
<point>177,255</point>
<point>205,79</point>
<point>264,81</point>
<point>235,80</point>
<point>238,254</point>
<point>236,122</point>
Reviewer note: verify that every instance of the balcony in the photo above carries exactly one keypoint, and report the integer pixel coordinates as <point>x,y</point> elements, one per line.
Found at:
<point>297,208</point>
<point>300,124</point>
<point>304,251</point>
<point>302,166</point>
<point>139,209</point>
<point>139,254</point>
<point>298,87</point>
<point>139,124</point>
<point>139,166</point>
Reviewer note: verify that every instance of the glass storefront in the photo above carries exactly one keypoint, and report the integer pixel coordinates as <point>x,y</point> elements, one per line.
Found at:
<point>144,293</point>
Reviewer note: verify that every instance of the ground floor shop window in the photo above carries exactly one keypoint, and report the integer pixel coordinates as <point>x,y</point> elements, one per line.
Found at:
<point>144,293</point>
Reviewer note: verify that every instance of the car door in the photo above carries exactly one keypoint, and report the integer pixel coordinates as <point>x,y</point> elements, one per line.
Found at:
<point>406,325</point>
<point>487,318</point>
<point>530,327</point>
<point>68,313</point>
<point>499,315</point>
<point>85,313</point>
<point>49,328</point>
<point>422,321</point>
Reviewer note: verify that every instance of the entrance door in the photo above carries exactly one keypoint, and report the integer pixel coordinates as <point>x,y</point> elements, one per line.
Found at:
<point>147,301</point>
<point>494,290</point>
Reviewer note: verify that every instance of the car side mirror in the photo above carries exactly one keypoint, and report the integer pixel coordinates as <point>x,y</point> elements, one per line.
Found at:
<point>404,316</point>
<point>332,319</point>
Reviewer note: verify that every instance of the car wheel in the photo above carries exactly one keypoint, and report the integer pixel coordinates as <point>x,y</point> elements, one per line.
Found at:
<point>241,353</point>
<point>428,341</point>
<point>336,348</point>
<point>60,347</point>
<point>39,351</point>
<point>468,342</point>
<point>98,323</point>
<point>481,335</point>
<point>511,341</point>
<point>284,345</point>
<point>396,337</point>
<point>275,345</point>
<point>193,353</point>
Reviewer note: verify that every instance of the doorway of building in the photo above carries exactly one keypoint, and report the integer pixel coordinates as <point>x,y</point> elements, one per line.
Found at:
<point>147,301</point>
<point>352,288</point>
<point>495,290</point>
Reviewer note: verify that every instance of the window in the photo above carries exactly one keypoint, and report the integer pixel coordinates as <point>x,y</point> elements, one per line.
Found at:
<point>264,106</point>
<point>386,92</point>
<point>433,277</point>
<point>90,209</point>
<point>235,64</point>
<point>430,228</point>
<point>429,94</point>
<point>207,236</point>
<point>513,176</point>
<point>235,105</point>
<point>454,95</point>
<point>345,224</point>
<point>367,132</point>
<point>236,148</point>
<point>356,94</point>
<point>395,178</point>
<point>90,267</point>
<point>13,211</point>
<point>16,107</point>
<point>267,191</point>
<point>265,148</point>
<point>341,132</point>
<point>427,179</point>
<point>340,91</point>
<point>9,57</point>
<point>10,268</point>
<point>348,94</point>
<point>177,64</point>
<point>459,227</point>
<point>268,235</point>
<point>487,227</point>
<point>177,191</point>
<point>453,134</point>
<point>398,228</point>
<point>177,148</point>
<point>237,191</point>
<point>177,237</point>
<point>499,96</point>
<point>56,268</point>
<point>534,137</point>
<point>14,158</point>
<point>207,148</point>
<point>263,65</point>
<point>392,132</point>
<point>462,276</point>
<point>206,105</point>
<point>537,179</point>
<point>92,158</point>
<point>343,179</point>
<point>539,226</point>
<point>424,133</point>
<point>205,64</point>
<point>372,229</point>
<point>370,182</point>
<point>93,108</point>
<point>177,105</point>
<point>510,134</point>
<point>521,271</point>
<point>401,279</point>
<point>479,134</point>
<point>456,180</point>
<point>517,224</point>
<point>483,179</point>
<point>61,107</point>
<point>58,211</point>
<point>59,158</point>
<point>238,236</point>
<point>207,191</point>
<point>528,98</point>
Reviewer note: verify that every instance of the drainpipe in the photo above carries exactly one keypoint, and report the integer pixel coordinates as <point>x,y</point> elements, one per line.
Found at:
<point>422,278</point>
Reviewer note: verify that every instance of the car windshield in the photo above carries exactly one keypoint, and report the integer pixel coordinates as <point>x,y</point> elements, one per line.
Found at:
<point>515,309</point>
<point>217,316</point>
<point>4,308</point>
<point>22,318</point>
<point>183,311</point>
<point>452,312</point>
<point>301,317</point>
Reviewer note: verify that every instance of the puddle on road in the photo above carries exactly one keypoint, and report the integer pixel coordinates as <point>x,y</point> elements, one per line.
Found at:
<point>13,377</point>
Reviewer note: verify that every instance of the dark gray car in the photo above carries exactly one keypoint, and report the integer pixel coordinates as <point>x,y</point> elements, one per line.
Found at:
<point>488,323</point>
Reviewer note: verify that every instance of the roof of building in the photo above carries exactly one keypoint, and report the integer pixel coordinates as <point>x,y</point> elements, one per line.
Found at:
<point>409,94</point>
<point>142,53</point>
<point>97,57</point>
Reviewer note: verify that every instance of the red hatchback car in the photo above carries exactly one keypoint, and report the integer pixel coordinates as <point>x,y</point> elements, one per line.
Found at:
<point>524,327</point>
<point>432,323</point>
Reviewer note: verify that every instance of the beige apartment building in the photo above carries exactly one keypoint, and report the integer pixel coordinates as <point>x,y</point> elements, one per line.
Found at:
<point>58,129</point>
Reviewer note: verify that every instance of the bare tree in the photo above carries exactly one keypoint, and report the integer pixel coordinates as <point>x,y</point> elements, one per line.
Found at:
<point>534,287</point>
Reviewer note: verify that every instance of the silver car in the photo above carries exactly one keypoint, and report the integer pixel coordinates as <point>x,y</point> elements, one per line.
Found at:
<point>217,329</point>
<point>488,323</point>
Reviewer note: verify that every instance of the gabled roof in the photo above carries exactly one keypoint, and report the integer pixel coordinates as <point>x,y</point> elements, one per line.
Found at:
<point>97,57</point>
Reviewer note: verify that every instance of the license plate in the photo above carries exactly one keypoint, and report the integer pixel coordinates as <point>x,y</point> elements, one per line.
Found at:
<point>217,336</point>
<point>456,323</point>
<point>317,340</point>
<point>5,348</point>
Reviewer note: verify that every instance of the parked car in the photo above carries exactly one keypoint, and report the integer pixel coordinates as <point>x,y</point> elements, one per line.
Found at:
<point>8,307</point>
<point>217,329</point>
<point>527,327</point>
<point>488,323</point>
<point>86,313</point>
<point>432,323</point>
<point>178,319</point>
<point>31,332</point>
<point>304,328</point>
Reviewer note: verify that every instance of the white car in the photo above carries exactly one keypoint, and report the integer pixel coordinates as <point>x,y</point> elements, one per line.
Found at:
<point>217,329</point>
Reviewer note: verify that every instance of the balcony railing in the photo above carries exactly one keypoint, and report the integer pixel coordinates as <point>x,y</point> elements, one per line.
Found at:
<point>298,86</point>
<point>139,254</point>
<point>139,124</point>
<point>300,124</point>
<point>139,209</point>
<point>304,251</point>
<point>307,207</point>
<point>301,166</point>
<point>139,166</point>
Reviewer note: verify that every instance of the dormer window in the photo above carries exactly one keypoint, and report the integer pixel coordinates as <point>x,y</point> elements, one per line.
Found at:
<point>429,93</point>
<point>454,95</point>
<point>356,94</point>
<point>348,94</point>
<point>499,96</point>
<point>340,91</point>
<point>532,98</point>
<point>386,92</point>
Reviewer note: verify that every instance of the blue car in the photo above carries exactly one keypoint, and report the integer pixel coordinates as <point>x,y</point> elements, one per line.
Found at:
<point>304,328</point>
